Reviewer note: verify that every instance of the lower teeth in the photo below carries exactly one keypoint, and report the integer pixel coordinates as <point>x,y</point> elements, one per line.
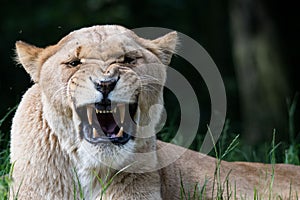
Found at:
<point>95,133</point>
<point>120,133</point>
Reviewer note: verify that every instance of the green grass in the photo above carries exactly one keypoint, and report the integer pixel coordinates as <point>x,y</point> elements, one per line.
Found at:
<point>223,189</point>
<point>229,148</point>
<point>293,151</point>
<point>5,166</point>
<point>5,179</point>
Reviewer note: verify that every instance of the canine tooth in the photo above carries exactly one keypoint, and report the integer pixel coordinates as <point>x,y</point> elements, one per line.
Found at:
<point>120,133</point>
<point>122,112</point>
<point>90,115</point>
<point>115,109</point>
<point>95,133</point>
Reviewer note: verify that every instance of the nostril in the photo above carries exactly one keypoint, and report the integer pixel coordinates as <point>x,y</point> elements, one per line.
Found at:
<point>106,86</point>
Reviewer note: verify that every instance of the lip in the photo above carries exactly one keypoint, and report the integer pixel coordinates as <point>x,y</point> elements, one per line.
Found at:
<point>107,121</point>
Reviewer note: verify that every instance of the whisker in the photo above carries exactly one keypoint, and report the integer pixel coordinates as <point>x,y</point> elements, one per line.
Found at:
<point>58,92</point>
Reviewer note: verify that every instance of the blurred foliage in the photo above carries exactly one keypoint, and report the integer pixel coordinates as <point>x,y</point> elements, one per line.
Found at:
<point>207,21</point>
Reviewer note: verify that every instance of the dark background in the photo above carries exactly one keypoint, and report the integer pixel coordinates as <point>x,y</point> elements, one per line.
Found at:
<point>255,45</point>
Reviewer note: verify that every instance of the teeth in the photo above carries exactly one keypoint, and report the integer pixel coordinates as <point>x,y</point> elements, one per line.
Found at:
<point>90,115</point>
<point>122,112</point>
<point>120,133</point>
<point>115,109</point>
<point>103,111</point>
<point>95,133</point>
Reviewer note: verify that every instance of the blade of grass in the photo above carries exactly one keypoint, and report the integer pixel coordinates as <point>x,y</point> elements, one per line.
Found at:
<point>182,190</point>
<point>81,195</point>
<point>7,114</point>
<point>273,161</point>
<point>234,143</point>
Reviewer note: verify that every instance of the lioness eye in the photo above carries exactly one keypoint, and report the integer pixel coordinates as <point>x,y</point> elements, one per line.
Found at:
<point>74,63</point>
<point>128,60</point>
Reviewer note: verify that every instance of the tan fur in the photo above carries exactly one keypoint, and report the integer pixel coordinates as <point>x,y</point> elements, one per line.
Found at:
<point>50,157</point>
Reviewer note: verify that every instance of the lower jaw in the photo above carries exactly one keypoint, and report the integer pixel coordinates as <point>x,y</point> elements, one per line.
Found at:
<point>115,141</point>
<point>87,134</point>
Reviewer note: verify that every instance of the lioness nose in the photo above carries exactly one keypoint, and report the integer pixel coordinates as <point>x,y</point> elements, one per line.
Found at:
<point>106,86</point>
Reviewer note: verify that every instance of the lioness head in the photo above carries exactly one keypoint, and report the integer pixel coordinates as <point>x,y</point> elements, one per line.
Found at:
<point>101,90</point>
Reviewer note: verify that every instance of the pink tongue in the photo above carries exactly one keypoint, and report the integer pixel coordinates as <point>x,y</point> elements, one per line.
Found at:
<point>109,129</point>
<point>107,123</point>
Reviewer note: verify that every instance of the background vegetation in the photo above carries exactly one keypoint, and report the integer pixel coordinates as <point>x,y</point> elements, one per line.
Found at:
<point>254,43</point>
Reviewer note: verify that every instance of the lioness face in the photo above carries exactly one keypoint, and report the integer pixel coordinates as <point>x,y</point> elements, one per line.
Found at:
<point>106,83</point>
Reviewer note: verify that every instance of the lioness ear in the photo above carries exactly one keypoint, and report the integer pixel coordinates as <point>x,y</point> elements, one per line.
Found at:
<point>28,55</point>
<point>166,46</point>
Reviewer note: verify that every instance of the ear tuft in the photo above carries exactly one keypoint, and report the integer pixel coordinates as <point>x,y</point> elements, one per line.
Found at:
<point>166,46</point>
<point>27,55</point>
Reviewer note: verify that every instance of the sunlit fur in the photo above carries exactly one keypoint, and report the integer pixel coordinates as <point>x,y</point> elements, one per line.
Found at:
<point>51,159</point>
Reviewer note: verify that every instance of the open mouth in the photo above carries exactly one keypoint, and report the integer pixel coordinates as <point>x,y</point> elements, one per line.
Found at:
<point>108,122</point>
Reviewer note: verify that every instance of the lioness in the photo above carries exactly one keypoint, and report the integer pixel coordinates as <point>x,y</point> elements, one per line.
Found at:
<point>90,118</point>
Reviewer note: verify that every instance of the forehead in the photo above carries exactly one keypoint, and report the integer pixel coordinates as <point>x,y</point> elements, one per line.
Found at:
<point>100,33</point>
<point>101,38</point>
